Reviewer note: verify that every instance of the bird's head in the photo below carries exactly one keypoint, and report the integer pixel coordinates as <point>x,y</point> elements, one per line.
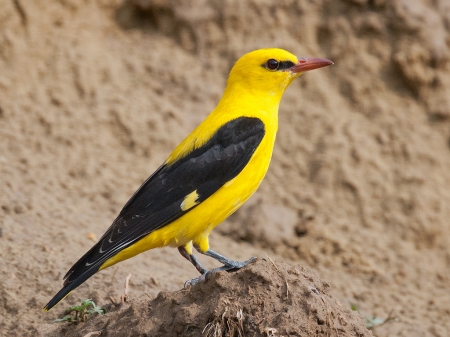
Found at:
<point>270,71</point>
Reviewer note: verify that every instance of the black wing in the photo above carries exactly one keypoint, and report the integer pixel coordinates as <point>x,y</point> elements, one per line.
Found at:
<point>157,202</point>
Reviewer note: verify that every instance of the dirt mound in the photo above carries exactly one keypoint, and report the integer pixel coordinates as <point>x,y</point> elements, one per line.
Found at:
<point>263,299</point>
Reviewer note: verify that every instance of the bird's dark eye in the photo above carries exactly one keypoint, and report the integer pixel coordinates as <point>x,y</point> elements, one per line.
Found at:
<point>272,64</point>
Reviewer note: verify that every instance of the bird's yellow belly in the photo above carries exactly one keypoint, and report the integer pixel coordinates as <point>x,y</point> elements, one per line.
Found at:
<point>196,224</point>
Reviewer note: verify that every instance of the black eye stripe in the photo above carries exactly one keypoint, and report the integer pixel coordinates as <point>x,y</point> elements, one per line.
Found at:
<point>281,65</point>
<point>285,65</point>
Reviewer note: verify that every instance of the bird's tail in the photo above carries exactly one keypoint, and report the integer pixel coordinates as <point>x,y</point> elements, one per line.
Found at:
<point>68,288</point>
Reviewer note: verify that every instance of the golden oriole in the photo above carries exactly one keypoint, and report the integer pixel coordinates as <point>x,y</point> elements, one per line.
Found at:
<point>207,177</point>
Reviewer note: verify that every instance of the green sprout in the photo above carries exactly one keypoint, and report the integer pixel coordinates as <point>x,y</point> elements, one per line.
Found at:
<point>81,312</point>
<point>374,322</point>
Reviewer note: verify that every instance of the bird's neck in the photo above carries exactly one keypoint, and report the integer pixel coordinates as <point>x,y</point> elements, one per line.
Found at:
<point>240,101</point>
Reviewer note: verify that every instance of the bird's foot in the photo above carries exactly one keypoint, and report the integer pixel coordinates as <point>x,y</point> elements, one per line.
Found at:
<point>230,265</point>
<point>204,277</point>
<point>194,281</point>
<point>239,264</point>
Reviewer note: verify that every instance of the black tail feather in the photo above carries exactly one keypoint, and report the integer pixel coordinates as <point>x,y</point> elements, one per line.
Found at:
<point>68,288</point>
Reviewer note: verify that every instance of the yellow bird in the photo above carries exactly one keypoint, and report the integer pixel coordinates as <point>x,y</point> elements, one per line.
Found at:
<point>207,177</point>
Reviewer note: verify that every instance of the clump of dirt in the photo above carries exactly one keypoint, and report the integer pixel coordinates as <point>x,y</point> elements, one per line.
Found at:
<point>263,299</point>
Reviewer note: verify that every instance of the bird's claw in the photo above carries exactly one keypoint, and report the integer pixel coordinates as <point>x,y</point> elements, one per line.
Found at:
<point>233,265</point>
<point>238,264</point>
<point>196,280</point>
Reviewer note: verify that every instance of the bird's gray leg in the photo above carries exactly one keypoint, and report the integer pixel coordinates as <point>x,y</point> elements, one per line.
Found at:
<point>192,259</point>
<point>227,265</point>
<point>230,264</point>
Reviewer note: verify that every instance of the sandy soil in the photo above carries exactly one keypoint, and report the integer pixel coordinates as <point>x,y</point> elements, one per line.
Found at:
<point>94,96</point>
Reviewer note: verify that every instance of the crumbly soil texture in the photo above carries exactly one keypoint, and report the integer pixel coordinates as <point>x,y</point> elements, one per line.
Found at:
<point>94,95</point>
<point>263,299</point>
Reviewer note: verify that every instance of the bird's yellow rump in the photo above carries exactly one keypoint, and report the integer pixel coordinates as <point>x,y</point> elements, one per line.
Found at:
<point>207,177</point>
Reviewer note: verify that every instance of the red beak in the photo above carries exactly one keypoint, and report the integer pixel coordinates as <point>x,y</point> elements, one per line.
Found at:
<point>309,63</point>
